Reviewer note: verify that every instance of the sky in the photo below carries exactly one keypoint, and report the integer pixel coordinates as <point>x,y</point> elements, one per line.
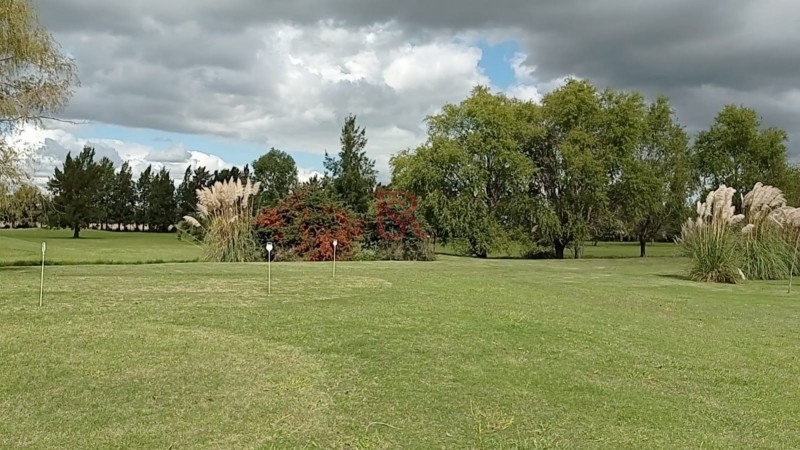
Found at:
<point>215,83</point>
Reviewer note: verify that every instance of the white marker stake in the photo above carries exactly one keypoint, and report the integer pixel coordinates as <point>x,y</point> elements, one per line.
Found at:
<point>41,286</point>
<point>269,268</point>
<point>335,243</point>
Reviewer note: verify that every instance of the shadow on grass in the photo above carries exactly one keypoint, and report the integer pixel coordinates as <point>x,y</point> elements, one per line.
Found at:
<point>29,263</point>
<point>675,276</point>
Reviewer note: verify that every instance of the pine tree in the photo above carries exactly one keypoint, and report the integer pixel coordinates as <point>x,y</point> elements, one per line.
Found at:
<point>124,206</point>
<point>105,200</point>
<point>143,197</point>
<point>161,201</point>
<point>75,191</point>
<point>353,174</point>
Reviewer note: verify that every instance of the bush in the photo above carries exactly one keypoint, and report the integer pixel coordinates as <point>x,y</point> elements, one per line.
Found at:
<point>306,224</point>
<point>225,217</point>
<point>712,241</point>
<point>393,240</point>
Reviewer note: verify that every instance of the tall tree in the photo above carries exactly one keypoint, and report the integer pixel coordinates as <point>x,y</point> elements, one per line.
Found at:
<point>738,152</point>
<point>572,162</point>
<point>26,207</point>
<point>105,194</point>
<point>143,187</point>
<point>124,198</point>
<point>193,180</point>
<point>36,80</point>
<point>277,172</point>
<point>470,174</point>
<point>656,177</point>
<point>353,174</point>
<point>74,189</point>
<point>161,201</point>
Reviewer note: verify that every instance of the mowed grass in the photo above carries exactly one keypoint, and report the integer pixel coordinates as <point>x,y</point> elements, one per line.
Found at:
<point>456,353</point>
<point>603,250</point>
<point>24,247</point>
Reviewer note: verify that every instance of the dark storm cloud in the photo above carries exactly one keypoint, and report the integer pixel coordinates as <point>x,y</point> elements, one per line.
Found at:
<point>703,54</point>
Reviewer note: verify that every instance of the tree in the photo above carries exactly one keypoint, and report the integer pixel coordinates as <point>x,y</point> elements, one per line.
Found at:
<point>124,198</point>
<point>470,174</point>
<point>572,160</point>
<point>277,172</point>
<point>25,208</point>
<point>656,176</point>
<point>353,174</point>
<point>193,180</point>
<point>737,152</point>
<point>36,80</point>
<point>161,201</point>
<point>143,187</point>
<point>74,189</point>
<point>105,194</point>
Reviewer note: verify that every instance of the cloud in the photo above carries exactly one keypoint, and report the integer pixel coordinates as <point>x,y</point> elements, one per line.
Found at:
<point>288,72</point>
<point>46,149</point>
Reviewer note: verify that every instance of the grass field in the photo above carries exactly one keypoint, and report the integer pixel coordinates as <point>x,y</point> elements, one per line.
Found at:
<point>24,247</point>
<point>457,353</point>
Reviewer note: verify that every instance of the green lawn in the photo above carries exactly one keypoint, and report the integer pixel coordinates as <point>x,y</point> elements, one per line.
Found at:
<point>24,247</point>
<point>458,353</point>
<point>603,250</point>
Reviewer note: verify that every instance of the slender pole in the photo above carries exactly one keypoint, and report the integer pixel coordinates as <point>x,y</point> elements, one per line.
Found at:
<point>269,273</point>
<point>41,285</point>
<point>334,261</point>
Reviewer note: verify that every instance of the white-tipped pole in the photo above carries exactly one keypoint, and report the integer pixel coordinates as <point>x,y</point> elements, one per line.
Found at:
<point>335,243</point>
<point>41,285</point>
<point>269,268</point>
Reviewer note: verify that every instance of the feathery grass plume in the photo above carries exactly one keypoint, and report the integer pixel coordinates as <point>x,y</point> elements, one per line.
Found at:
<point>789,220</point>
<point>767,254</point>
<point>226,214</point>
<point>710,239</point>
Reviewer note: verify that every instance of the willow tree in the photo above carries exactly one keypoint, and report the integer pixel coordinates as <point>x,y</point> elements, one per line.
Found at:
<point>36,79</point>
<point>470,174</point>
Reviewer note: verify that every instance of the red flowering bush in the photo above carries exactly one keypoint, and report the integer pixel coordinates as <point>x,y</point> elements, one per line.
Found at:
<point>305,225</point>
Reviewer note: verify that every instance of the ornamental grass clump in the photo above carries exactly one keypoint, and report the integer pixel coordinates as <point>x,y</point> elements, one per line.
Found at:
<point>711,239</point>
<point>226,215</point>
<point>766,251</point>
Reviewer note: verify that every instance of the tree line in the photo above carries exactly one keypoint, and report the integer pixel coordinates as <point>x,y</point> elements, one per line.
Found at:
<point>581,165</point>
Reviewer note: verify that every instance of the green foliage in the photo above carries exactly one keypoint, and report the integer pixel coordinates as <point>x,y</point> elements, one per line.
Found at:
<point>124,196</point>
<point>469,175</point>
<point>75,190</point>
<point>390,235</point>
<point>738,152</point>
<point>161,201</point>
<point>143,186</point>
<point>277,172</point>
<point>186,194</point>
<point>225,212</point>
<point>712,240</point>
<point>715,255</point>
<point>766,255</point>
<point>655,175</point>
<point>353,174</point>
<point>305,224</point>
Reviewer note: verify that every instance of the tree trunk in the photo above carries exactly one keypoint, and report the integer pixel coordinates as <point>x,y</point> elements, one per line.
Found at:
<point>577,252</point>
<point>76,231</point>
<point>642,246</point>
<point>559,247</point>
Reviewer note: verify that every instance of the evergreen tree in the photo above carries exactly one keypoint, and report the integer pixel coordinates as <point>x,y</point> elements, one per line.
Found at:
<point>124,205</point>
<point>75,188</point>
<point>161,201</point>
<point>353,174</point>
<point>105,194</point>
<point>143,197</point>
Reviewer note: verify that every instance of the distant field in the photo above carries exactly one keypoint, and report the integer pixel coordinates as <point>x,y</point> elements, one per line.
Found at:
<point>457,353</point>
<point>23,247</point>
